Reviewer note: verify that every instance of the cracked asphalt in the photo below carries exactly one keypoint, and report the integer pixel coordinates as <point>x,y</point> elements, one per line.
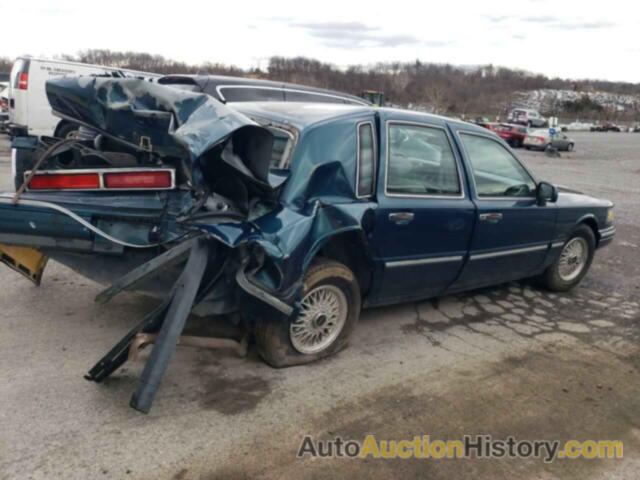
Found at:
<point>512,360</point>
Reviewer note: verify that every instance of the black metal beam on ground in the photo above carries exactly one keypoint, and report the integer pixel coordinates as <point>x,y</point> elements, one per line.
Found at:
<point>120,352</point>
<point>174,321</point>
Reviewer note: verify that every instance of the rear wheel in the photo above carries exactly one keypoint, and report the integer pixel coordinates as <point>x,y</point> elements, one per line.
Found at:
<point>329,312</point>
<point>573,262</point>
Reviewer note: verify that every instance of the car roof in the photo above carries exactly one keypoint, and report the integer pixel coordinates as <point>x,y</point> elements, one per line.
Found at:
<point>303,115</point>
<point>299,114</point>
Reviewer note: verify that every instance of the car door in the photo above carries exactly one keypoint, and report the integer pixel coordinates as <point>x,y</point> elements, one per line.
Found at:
<point>512,234</point>
<point>424,218</point>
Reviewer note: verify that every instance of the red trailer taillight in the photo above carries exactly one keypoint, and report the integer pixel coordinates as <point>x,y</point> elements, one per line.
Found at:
<point>104,179</point>
<point>65,181</point>
<point>135,180</point>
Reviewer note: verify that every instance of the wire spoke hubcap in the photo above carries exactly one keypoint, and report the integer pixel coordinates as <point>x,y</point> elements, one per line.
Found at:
<point>573,259</point>
<point>323,313</point>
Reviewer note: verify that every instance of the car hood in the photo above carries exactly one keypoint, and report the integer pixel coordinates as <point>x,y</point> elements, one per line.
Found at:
<point>156,118</point>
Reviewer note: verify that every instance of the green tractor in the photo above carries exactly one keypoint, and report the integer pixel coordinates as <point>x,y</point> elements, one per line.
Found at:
<point>373,96</point>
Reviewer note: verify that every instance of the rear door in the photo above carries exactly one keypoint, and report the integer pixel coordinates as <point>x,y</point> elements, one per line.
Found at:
<point>424,218</point>
<point>512,232</point>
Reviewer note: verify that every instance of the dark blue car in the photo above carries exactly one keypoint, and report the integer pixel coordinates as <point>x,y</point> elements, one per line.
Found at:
<point>289,217</point>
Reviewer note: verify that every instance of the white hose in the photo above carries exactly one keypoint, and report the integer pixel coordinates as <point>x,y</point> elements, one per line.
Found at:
<point>8,198</point>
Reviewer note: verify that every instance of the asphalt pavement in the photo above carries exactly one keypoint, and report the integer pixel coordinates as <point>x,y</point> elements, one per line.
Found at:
<point>506,361</point>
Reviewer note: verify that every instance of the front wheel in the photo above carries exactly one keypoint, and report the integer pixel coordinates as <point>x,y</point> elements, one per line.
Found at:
<point>329,312</point>
<point>573,262</point>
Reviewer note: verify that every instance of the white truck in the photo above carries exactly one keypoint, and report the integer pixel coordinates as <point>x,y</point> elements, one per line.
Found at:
<point>29,110</point>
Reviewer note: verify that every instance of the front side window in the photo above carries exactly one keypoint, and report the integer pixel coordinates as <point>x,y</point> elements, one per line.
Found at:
<point>420,162</point>
<point>366,160</point>
<point>496,172</point>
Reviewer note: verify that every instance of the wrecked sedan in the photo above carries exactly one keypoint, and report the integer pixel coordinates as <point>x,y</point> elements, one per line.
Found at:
<point>288,217</point>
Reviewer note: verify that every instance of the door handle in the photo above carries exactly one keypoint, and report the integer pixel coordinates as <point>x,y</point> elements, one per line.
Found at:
<point>401,218</point>
<point>493,217</point>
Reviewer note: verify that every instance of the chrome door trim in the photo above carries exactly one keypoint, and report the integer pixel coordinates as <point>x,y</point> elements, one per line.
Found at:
<point>504,253</point>
<point>423,261</point>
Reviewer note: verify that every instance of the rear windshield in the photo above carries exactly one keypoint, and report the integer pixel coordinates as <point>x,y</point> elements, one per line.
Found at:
<point>282,146</point>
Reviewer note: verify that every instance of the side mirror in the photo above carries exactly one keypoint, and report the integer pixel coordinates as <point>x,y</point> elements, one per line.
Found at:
<point>545,192</point>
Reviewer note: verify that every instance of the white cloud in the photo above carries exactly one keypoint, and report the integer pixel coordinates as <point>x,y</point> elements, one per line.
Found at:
<point>573,38</point>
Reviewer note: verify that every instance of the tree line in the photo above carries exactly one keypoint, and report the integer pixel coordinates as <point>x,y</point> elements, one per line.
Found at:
<point>441,88</point>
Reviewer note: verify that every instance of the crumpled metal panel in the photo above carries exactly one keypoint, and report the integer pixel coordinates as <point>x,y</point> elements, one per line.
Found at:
<point>317,200</point>
<point>175,123</point>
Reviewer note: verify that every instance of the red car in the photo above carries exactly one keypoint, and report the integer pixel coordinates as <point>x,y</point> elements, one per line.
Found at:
<point>514,135</point>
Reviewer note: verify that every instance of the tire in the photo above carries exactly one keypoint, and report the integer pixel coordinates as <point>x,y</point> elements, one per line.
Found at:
<point>527,148</point>
<point>24,162</point>
<point>570,147</point>
<point>66,130</point>
<point>275,338</point>
<point>553,278</point>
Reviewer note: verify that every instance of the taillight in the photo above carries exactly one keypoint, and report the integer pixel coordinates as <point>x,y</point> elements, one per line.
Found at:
<point>23,81</point>
<point>103,179</point>
<point>135,180</point>
<point>65,181</point>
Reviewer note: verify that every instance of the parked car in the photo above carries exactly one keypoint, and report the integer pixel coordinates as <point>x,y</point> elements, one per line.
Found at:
<point>580,126</point>
<point>606,127</point>
<point>528,117</point>
<point>514,135</point>
<point>29,110</point>
<point>486,123</point>
<point>292,217</point>
<point>238,89</point>
<point>541,140</point>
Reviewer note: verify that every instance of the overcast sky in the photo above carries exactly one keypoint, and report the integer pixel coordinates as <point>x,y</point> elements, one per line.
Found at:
<point>566,38</point>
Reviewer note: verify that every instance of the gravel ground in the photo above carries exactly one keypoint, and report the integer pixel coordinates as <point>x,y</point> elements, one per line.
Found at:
<point>510,360</point>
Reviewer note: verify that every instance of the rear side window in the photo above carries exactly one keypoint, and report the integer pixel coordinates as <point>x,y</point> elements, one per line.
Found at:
<point>421,162</point>
<point>251,94</point>
<point>366,160</point>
